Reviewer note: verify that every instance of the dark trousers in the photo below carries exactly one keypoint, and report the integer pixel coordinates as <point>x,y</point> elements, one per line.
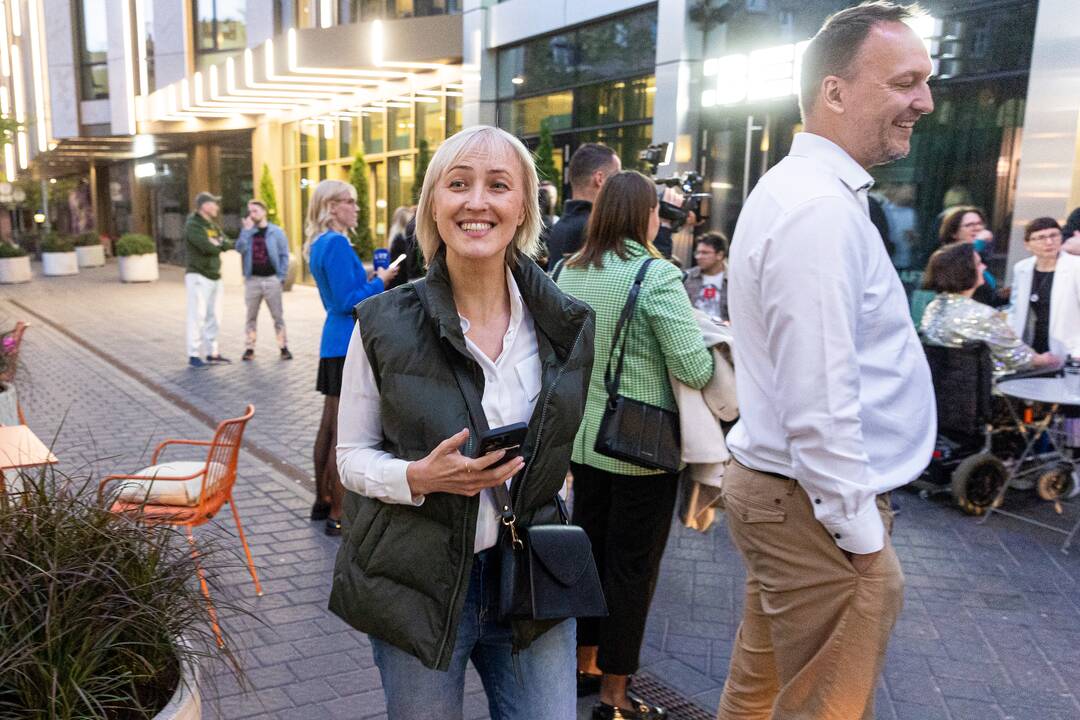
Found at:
<point>627,519</point>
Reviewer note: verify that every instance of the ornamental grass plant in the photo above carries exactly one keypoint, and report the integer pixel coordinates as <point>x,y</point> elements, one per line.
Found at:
<point>53,243</point>
<point>11,250</point>
<point>93,606</point>
<point>87,239</point>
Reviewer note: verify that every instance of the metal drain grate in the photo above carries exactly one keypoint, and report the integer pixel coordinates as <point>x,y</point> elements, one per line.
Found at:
<point>657,693</point>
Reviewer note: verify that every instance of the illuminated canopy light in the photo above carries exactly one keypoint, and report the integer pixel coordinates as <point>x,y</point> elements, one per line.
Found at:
<point>145,170</point>
<point>5,66</point>
<point>773,72</point>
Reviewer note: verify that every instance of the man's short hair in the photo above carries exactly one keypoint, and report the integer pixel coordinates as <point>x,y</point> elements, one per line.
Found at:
<point>1038,225</point>
<point>587,159</point>
<point>260,203</point>
<point>837,43</point>
<point>714,239</point>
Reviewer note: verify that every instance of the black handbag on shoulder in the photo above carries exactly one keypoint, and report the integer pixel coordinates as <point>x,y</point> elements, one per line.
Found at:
<point>547,572</point>
<point>631,430</point>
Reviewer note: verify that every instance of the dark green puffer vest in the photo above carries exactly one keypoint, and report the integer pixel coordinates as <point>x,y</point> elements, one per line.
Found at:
<point>402,572</point>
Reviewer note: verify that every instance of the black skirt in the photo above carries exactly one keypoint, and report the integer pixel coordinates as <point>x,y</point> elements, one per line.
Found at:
<point>329,380</point>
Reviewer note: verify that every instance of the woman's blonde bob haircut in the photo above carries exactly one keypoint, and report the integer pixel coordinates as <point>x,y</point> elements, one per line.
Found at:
<point>483,139</point>
<point>318,214</point>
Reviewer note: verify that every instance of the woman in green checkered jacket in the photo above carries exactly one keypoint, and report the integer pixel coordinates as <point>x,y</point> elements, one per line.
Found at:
<point>626,509</point>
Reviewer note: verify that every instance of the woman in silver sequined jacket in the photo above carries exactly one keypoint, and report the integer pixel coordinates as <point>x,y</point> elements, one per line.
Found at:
<point>953,318</point>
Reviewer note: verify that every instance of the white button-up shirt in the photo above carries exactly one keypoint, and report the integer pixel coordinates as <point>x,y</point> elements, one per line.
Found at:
<point>511,389</point>
<point>834,389</point>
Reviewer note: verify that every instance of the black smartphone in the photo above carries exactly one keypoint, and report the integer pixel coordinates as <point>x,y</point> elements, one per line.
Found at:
<point>508,437</point>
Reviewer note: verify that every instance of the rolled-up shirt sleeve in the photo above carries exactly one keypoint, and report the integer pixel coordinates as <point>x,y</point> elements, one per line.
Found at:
<point>364,466</point>
<point>812,278</point>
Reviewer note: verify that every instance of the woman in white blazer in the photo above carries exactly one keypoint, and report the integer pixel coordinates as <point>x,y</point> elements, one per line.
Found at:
<point>1046,292</point>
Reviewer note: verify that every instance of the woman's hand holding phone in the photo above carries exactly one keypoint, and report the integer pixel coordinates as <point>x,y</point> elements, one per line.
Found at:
<point>445,469</point>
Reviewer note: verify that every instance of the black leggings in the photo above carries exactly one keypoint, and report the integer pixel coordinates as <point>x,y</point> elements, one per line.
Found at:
<point>627,518</point>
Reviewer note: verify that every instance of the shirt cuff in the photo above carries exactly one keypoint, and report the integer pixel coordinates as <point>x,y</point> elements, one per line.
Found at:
<point>396,484</point>
<point>861,535</point>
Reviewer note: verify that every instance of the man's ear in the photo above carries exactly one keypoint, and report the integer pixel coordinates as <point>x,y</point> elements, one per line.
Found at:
<point>833,93</point>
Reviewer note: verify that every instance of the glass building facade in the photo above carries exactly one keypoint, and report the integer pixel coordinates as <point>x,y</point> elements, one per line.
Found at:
<point>93,51</point>
<point>389,136</point>
<point>966,151</point>
<point>594,83</point>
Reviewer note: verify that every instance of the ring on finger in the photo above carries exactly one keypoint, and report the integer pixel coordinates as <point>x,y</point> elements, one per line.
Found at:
<point>468,468</point>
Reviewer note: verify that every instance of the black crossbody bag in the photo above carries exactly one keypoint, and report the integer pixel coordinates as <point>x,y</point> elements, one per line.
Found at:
<point>547,572</point>
<point>631,430</point>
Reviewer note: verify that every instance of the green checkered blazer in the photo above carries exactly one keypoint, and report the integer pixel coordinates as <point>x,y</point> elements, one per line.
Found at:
<point>663,336</point>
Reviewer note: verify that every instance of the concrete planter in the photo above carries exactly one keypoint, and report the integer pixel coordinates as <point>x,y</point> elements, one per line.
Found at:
<point>185,704</point>
<point>139,268</point>
<point>90,255</point>
<point>15,270</point>
<point>62,263</point>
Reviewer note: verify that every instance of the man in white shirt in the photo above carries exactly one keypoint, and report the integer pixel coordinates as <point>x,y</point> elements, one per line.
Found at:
<point>836,401</point>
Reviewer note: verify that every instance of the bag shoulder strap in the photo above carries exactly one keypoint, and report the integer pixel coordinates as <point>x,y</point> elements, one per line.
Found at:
<point>558,269</point>
<point>475,405</point>
<point>611,383</point>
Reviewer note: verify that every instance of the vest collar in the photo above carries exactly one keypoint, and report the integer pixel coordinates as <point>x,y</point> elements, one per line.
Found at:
<point>556,315</point>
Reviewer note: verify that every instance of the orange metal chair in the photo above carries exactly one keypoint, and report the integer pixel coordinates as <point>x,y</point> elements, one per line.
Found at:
<point>189,493</point>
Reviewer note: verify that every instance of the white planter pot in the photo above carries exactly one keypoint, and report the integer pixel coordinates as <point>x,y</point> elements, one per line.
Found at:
<point>185,704</point>
<point>15,270</point>
<point>139,268</point>
<point>63,263</point>
<point>90,256</point>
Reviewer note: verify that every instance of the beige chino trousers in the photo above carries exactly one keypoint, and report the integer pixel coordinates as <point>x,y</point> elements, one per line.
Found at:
<point>257,289</point>
<point>814,630</point>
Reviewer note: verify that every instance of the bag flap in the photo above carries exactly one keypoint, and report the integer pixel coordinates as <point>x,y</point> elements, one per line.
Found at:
<point>563,550</point>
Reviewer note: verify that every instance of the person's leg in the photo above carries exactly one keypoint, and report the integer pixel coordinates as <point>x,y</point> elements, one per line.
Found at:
<point>413,691</point>
<point>272,291</point>
<point>828,623</point>
<point>592,501</point>
<point>215,310</point>
<point>541,686</point>
<point>640,518</point>
<point>253,296</point>
<point>333,480</point>
<point>752,683</point>
<point>196,310</point>
<point>323,438</point>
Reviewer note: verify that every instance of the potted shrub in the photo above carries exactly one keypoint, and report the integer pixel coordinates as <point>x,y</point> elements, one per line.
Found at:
<point>58,256</point>
<point>102,616</point>
<point>14,264</point>
<point>137,257</point>
<point>89,250</point>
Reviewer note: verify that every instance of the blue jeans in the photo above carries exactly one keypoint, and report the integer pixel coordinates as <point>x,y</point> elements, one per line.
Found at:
<point>544,688</point>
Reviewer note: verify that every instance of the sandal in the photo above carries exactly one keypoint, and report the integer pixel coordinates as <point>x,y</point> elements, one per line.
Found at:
<point>320,510</point>
<point>333,527</point>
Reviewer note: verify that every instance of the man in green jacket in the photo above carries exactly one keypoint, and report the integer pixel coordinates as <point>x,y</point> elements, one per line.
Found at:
<point>205,291</point>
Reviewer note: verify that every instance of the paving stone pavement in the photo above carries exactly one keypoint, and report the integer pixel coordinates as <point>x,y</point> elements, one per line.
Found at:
<point>990,625</point>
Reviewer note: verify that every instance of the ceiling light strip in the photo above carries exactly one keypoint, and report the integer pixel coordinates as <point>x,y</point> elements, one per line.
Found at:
<point>41,88</point>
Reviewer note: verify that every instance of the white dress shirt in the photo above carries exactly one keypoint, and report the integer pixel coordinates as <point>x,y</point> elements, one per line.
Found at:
<point>511,388</point>
<point>833,385</point>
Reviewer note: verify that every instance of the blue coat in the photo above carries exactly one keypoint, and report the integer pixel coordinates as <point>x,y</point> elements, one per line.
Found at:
<point>277,247</point>
<point>342,282</point>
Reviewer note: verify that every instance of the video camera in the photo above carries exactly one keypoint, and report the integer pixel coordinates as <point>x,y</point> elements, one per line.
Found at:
<point>692,185</point>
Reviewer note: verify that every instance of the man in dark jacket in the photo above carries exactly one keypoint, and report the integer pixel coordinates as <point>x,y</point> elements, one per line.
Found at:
<point>590,165</point>
<point>205,291</point>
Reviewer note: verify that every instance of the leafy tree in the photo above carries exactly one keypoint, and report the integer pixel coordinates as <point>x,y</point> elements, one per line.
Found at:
<point>545,163</point>
<point>423,159</point>
<point>267,194</point>
<point>363,239</point>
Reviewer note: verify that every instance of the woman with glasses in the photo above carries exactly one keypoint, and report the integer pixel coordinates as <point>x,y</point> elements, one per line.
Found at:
<point>967,224</point>
<point>1046,292</point>
<point>342,282</point>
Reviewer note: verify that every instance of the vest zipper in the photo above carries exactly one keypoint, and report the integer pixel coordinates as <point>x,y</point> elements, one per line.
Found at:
<point>543,416</point>
<point>457,589</point>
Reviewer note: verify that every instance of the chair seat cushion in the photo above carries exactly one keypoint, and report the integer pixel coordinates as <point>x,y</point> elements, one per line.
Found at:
<point>166,492</point>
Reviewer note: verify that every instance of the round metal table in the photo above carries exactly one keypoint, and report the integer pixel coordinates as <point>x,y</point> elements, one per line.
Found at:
<point>1050,390</point>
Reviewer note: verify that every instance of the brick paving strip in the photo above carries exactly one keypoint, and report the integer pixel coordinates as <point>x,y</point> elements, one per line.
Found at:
<point>991,625</point>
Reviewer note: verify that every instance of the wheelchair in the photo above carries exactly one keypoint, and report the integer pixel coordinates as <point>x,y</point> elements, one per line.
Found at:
<point>980,438</point>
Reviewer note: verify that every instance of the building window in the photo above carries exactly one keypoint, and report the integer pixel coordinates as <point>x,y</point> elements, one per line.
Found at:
<point>93,50</point>
<point>365,10</point>
<point>146,20</point>
<point>219,30</point>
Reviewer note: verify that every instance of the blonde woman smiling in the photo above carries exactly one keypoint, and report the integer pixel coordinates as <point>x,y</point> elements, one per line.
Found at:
<point>417,570</point>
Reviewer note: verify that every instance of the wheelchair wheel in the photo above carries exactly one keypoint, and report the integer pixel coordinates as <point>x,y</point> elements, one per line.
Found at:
<point>1056,483</point>
<point>977,481</point>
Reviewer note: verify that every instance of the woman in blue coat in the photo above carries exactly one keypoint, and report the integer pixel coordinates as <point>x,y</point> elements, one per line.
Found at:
<point>342,282</point>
